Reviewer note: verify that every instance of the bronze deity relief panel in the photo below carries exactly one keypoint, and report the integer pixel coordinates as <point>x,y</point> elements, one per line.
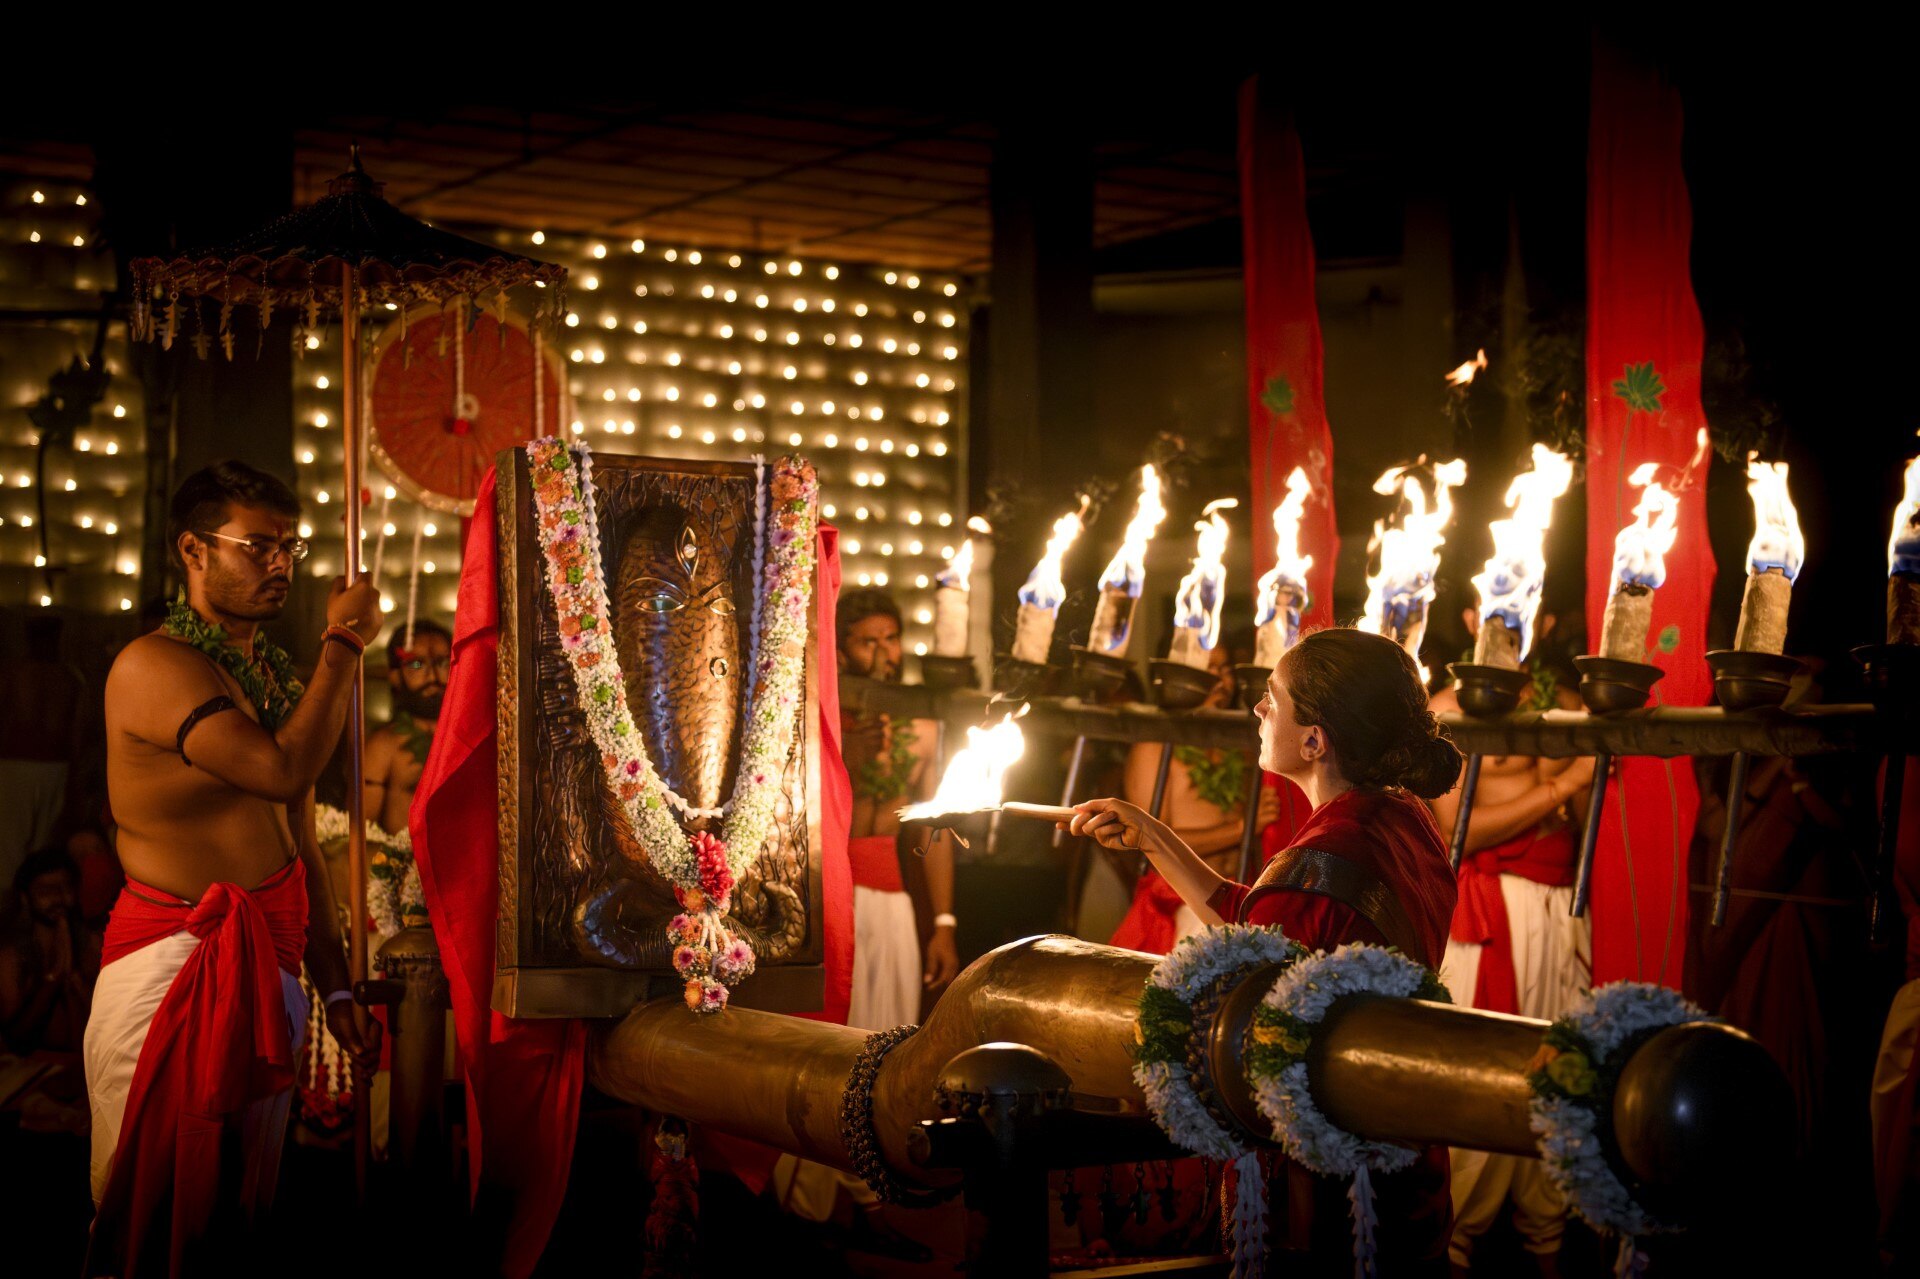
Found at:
<point>583,913</point>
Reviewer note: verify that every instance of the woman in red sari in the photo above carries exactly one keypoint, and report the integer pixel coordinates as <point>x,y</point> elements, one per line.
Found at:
<point>1345,718</point>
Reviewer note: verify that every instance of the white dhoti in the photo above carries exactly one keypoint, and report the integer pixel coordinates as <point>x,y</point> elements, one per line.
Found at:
<point>886,993</point>
<point>124,1001</point>
<point>1553,967</point>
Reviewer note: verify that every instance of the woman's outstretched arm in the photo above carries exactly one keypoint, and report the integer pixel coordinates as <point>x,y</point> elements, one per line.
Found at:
<point>1116,824</point>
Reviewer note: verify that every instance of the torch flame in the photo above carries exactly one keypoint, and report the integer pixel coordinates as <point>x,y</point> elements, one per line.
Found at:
<point>976,777</point>
<point>1777,542</point>
<point>1463,376</point>
<point>1127,571</point>
<point>959,569</point>
<point>1196,605</point>
<point>1903,548</point>
<point>1043,588</point>
<point>1639,552</point>
<point>1510,584</point>
<point>979,525</point>
<point>1409,550</point>
<point>1290,566</point>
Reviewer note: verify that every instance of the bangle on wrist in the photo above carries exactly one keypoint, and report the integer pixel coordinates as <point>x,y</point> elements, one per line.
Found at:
<point>338,996</point>
<point>346,636</point>
<point>945,920</point>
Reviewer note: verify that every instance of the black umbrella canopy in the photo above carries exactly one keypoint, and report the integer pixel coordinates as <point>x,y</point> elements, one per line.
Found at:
<point>299,261</point>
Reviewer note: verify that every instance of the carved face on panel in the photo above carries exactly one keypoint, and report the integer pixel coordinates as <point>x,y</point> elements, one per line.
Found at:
<point>680,630</point>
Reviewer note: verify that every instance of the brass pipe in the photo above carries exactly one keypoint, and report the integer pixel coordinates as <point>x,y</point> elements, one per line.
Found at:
<point>1385,1069</point>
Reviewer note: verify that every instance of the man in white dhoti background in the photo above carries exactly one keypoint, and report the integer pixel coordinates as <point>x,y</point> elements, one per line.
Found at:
<point>1515,947</point>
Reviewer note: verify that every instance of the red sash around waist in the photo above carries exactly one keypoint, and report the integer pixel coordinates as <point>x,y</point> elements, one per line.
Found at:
<point>1480,919</point>
<point>876,864</point>
<point>217,1043</point>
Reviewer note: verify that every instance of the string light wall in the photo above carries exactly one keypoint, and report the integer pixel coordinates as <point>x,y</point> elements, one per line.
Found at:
<point>69,535</point>
<point>674,350</point>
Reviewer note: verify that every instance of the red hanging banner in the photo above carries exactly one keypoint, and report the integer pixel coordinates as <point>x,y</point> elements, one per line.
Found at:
<point>1287,416</point>
<point>1644,345</point>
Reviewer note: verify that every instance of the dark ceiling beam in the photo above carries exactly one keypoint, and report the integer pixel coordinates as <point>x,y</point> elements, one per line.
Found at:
<point>528,156</point>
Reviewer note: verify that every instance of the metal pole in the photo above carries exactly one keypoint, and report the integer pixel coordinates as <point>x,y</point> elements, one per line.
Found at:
<point>1885,908</point>
<point>1736,799</point>
<point>1590,836</point>
<point>1468,786</point>
<point>1160,778</point>
<point>350,429</point>
<point>1250,837</point>
<point>1073,784</point>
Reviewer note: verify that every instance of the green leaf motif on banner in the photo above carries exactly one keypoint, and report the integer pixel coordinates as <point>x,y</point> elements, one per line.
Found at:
<point>1669,638</point>
<point>1641,388</point>
<point>1279,395</point>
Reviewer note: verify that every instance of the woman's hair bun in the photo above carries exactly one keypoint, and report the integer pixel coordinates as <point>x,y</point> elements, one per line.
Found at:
<point>1367,693</point>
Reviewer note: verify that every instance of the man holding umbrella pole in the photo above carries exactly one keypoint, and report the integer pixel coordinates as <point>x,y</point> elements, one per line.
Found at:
<point>212,751</point>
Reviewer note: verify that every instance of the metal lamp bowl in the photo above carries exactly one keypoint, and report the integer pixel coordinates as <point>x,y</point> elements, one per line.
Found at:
<point>1250,684</point>
<point>1016,678</point>
<point>1609,685</point>
<point>1096,675</point>
<point>947,673</point>
<point>1487,691</point>
<point>1175,686</point>
<point>1748,681</point>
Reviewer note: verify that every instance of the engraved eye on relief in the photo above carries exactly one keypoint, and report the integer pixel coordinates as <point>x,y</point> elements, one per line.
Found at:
<point>657,595</point>
<point>689,548</point>
<point>722,605</point>
<point>719,667</point>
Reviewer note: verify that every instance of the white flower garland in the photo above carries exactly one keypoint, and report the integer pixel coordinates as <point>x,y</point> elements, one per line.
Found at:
<point>703,868</point>
<point>394,896</point>
<point>1276,1068</point>
<point>1163,1028</point>
<point>1571,1080</point>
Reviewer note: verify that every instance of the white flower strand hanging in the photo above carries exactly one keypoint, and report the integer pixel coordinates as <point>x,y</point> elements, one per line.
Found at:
<point>702,868</point>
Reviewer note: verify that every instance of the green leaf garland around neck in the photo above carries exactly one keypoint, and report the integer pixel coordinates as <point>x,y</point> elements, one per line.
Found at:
<point>266,678</point>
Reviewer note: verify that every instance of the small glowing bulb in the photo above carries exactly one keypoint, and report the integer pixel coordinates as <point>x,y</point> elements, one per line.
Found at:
<point>577,355</point>
<point>607,395</point>
<point>798,408</point>
<point>793,438</point>
<point>860,513</point>
<point>860,378</point>
<point>609,321</point>
<point>693,257</point>
<point>84,445</point>
<point>827,305</point>
<point>924,616</point>
<point>306,456</point>
<point>306,529</point>
<point>26,521</point>
<point>946,552</point>
<point>892,277</point>
<point>759,401</point>
<point>829,510</point>
<point>39,197</point>
<point>880,578</point>
<point>389,528</point>
<point>860,308</point>
<point>889,346</point>
<point>113,447</point>
<point>638,246</point>
<point>313,342</point>
<point>46,601</point>
<point>946,321</point>
<point>673,358</point>
<point>773,268</point>
<point>39,561</point>
<point>639,326</point>
<point>922,581</point>
<point>391,492</point>
<point>733,367</point>
<point>861,444</point>
<point>597,355</point>
<point>832,273</point>
<point>673,432</point>
<point>731,295</point>
<point>733,260</point>
<point>830,440</point>
<point>71,486</point>
<point>739,435</point>
<point>710,399</point>
<point>826,407</point>
<point>578,429</point>
<point>633,395</point>
<point>793,339</point>
<point>706,437</point>
<point>790,373</point>
<point>321,497</point>
<point>706,290</point>
<point>79,241</point>
<point>799,304</point>
<point>538,237</point>
<point>793,268</point>
<point>626,426</point>
<point>673,393</point>
<point>427,567</point>
<point>760,299</point>
<point>853,543</point>
<point>125,604</point>
<point>671,255</point>
<point>759,335</point>
<point>915,547</point>
<point>950,289</point>
<point>431,530</point>
<point>33,237</point>
<point>860,478</point>
<point>876,413</point>
<point>886,446</point>
<point>946,520</point>
<point>866,579</point>
<point>913,450</point>
<point>590,282</point>
<point>855,341</point>
<point>110,528</point>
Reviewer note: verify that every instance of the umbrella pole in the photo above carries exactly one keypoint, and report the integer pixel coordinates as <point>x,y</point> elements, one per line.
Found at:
<point>351,428</point>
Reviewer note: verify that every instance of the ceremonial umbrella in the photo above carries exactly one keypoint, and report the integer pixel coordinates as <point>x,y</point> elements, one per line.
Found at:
<point>345,254</point>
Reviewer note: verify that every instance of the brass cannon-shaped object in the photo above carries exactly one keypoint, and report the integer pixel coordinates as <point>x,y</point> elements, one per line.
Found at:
<point>1696,1108</point>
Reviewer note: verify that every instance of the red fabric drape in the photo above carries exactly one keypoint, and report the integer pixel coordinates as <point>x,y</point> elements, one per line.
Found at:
<point>1286,403</point>
<point>524,1076</point>
<point>217,1044</point>
<point>1644,344</point>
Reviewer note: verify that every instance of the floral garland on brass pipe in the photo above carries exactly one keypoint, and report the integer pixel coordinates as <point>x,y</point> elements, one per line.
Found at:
<point>702,867</point>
